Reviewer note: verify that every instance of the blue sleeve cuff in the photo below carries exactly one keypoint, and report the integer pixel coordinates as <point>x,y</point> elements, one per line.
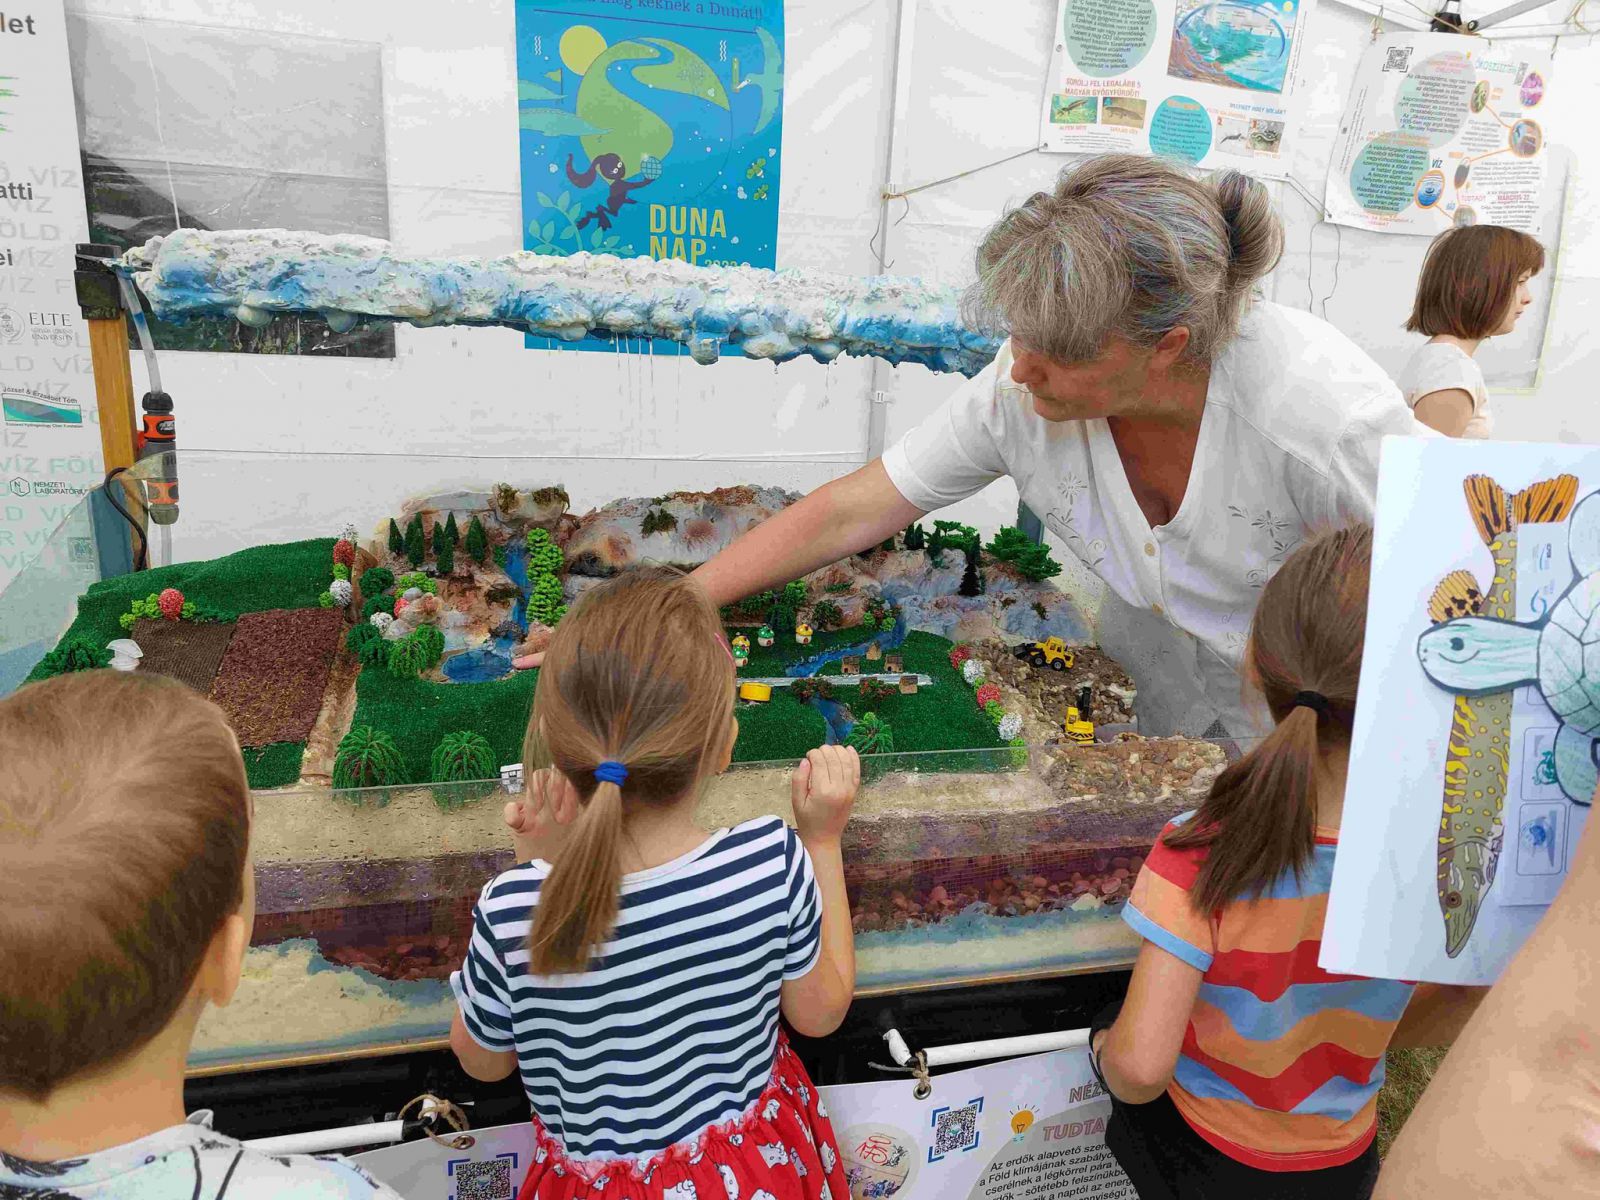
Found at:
<point>1166,939</point>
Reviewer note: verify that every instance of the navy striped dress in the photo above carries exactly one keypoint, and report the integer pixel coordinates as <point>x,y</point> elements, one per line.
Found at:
<point>674,1026</point>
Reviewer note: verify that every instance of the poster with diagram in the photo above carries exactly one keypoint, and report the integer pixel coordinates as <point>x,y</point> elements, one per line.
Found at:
<point>1473,759</point>
<point>651,132</point>
<point>1208,84</point>
<point>1441,130</point>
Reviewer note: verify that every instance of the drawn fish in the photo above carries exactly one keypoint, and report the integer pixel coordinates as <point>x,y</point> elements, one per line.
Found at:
<point>1477,759</point>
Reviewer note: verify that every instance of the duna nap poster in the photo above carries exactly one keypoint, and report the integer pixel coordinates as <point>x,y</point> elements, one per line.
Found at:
<point>651,128</point>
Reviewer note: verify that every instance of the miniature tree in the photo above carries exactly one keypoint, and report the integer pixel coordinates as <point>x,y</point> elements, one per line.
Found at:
<point>451,533</point>
<point>888,543</point>
<point>971,578</point>
<point>936,548</point>
<point>461,756</point>
<point>1036,564</point>
<point>914,537</point>
<point>381,603</point>
<point>76,653</point>
<point>825,614</point>
<point>432,643</point>
<point>408,658</point>
<point>374,652</point>
<point>544,556</point>
<point>477,541</point>
<point>872,691</point>
<point>416,542</point>
<point>872,735</point>
<point>545,600</point>
<point>397,544</point>
<point>367,758</point>
<point>444,553</point>
<point>658,520</point>
<point>171,604</point>
<point>375,581</point>
<point>359,636</point>
<point>1008,544</point>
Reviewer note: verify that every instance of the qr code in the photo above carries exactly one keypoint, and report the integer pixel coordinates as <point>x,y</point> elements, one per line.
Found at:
<point>1398,59</point>
<point>489,1180</point>
<point>955,1130</point>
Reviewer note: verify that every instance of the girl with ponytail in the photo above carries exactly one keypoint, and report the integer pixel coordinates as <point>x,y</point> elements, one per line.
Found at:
<point>633,967</point>
<point>1237,1066</point>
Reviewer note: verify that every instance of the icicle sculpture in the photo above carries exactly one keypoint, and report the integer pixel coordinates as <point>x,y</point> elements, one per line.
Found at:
<point>256,274</point>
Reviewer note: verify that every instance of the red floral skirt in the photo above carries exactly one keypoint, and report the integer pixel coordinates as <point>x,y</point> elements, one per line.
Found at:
<point>783,1148</point>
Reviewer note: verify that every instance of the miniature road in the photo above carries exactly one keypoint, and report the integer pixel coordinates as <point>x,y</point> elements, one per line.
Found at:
<point>783,681</point>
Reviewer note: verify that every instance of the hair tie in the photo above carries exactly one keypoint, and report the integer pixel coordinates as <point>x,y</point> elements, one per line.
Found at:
<point>611,772</point>
<point>1315,701</point>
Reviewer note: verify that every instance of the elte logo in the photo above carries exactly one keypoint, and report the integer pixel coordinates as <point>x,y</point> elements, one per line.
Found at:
<point>20,487</point>
<point>10,324</point>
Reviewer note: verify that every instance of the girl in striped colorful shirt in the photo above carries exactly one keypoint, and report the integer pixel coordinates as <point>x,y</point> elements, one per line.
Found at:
<point>1238,1067</point>
<point>631,967</point>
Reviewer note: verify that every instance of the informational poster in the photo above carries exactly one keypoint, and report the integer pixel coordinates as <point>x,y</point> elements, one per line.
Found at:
<point>1472,764</point>
<point>1205,83</point>
<point>49,445</point>
<point>1026,1129</point>
<point>1441,130</point>
<point>651,131</point>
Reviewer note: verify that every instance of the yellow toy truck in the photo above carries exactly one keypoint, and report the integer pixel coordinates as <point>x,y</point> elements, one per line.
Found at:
<point>1078,726</point>
<point>1051,652</point>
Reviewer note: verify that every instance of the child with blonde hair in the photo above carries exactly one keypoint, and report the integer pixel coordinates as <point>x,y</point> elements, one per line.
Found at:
<point>636,980</point>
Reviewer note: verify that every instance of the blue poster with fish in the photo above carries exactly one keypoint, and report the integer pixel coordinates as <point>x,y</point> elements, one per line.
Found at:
<point>651,128</point>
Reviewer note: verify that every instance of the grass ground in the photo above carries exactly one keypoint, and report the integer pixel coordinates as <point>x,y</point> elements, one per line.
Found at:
<point>783,728</point>
<point>942,717</point>
<point>771,660</point>
<point>1409,1073</point>
<point>417,713</point>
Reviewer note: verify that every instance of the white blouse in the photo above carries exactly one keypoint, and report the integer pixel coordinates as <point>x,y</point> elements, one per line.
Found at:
<point>1288,443</point>
<point>1440,366</point>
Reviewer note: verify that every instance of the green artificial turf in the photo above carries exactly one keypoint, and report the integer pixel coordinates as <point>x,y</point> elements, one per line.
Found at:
<point>783,728</point>
<point>274,766</point>
<point>418,713</point>
<point>291,575</point>
<point>771,660</point>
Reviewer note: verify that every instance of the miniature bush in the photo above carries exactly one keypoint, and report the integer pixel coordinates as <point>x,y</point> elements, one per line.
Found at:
<point>445,555</point>
<point>397,544</point>
<point>658,520</point>
<point>374,652</point>
<point>463,755</point>
<point>76,653</point>
<point>545,601</point>
<point>416,542</point>
<point>344,554</point>
<point>914,537</point>
<point>873,690</point>
<point>1030,557</point>
<point>995,711</point>
<point>973,672</point>
<point>340,590</point>
<point>375,581</point>
<point>544,556</point>
<point>825,614</point>
<point>504,497</point>
<point>959,655</point>
<point>872,735</point>
<point>451,533</point>
<point>1039,610</point>
<point>382,603</point>
<point>126,620</point>
<point>809,687</point>
<point>477,542</point>
<point>988,694</point>
<point>1010,727</point>
<point>326,599</point>
<point>794,593</point>
<point>367,758</point>
<point>1009,544</point>
<point>888,543</point>
<point>408,658</point>
<point>359,636</point>
<point>340,571</point>
<point>844,585</point>
<point>170,602</point>
<point>416,579</point>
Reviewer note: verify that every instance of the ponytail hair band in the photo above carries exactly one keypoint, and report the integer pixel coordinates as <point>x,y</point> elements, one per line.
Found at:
<point>1315,701</point>
<point>611,772</point>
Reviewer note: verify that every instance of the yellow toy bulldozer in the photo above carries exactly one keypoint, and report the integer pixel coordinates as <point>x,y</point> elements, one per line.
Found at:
<point>1079,726</point>
<point>1052,652</point>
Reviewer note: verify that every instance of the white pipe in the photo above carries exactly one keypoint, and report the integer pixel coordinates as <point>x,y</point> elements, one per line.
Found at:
<point>965,1052</point>
<point>320,1141</point>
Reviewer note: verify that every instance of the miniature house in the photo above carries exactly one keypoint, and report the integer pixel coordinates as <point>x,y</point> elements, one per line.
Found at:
<point>908,685</point>
<point>850,666</point>
<point>765,636</point>
<point>802,634</point>
<point>893,664</point>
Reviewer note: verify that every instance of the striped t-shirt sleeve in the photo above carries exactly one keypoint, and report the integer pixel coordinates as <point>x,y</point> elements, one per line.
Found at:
<point>805,910</point>
<point>480,986</point>
<point>1160,910</point>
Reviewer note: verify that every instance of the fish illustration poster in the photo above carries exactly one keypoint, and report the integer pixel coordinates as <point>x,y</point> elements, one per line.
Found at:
<point>651,130</point>
<point>1206,82</point>
<point>1441,130</point>
<point>1473,760</point>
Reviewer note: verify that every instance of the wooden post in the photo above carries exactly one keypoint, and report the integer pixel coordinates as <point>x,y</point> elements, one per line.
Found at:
<point>101,301</point>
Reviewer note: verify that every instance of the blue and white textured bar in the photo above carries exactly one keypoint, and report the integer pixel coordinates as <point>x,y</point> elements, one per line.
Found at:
<point>255,274</point>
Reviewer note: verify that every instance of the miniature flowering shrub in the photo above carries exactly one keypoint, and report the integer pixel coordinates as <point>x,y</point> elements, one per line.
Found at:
<point>972,671</point>
<point>367,757</point>
<point>988,694</point>
<point>170,603</point>
<point>463,755</point>
<point>959,655</point>
<point>1010,727</point>
<point>340,590</point>
<point>380,620</point>
<point>344,554</point>
<point>873,690</point>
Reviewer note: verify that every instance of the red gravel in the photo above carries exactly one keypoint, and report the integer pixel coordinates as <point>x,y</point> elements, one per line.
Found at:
<point>274,674</point>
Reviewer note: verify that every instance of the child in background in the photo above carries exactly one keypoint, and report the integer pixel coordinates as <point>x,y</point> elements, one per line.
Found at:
<point>126,903</point>
<point>1237,1066</point>
<point>637,981</point>
<point>1474,286</point>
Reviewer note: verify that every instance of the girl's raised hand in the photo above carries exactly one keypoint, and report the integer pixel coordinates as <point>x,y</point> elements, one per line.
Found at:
<point>537,818</point>
<point>823,789</point>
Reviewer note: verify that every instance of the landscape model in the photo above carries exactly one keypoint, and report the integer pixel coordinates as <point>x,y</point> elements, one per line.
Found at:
<point>369,678</point>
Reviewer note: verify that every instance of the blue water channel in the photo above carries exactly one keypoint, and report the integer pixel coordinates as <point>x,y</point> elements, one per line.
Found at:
<point>492,660</point>
<point>836,714</point>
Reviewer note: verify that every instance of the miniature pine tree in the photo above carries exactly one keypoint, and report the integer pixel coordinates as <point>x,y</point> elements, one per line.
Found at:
<point>416,542</point>
<point>971,578</point>
<point>451,533</point>
<point>477,541</point>
<point>544,601</point>
<point>544,556</point>
<point>888,543</point>
<point>444,553</point>
<point>397,544</point>
<point>914,537</point>
<point>936,547</point>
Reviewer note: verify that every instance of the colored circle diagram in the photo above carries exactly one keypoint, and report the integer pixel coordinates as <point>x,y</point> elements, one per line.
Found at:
<point>1108,37</point>
<point>1386,174</point>
<point>1181,129</point>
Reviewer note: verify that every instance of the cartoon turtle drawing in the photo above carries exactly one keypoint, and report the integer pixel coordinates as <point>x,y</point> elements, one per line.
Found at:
<point>1559,654</point>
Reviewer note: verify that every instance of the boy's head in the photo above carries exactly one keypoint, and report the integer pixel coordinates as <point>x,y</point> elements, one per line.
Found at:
<point>125,900</point>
